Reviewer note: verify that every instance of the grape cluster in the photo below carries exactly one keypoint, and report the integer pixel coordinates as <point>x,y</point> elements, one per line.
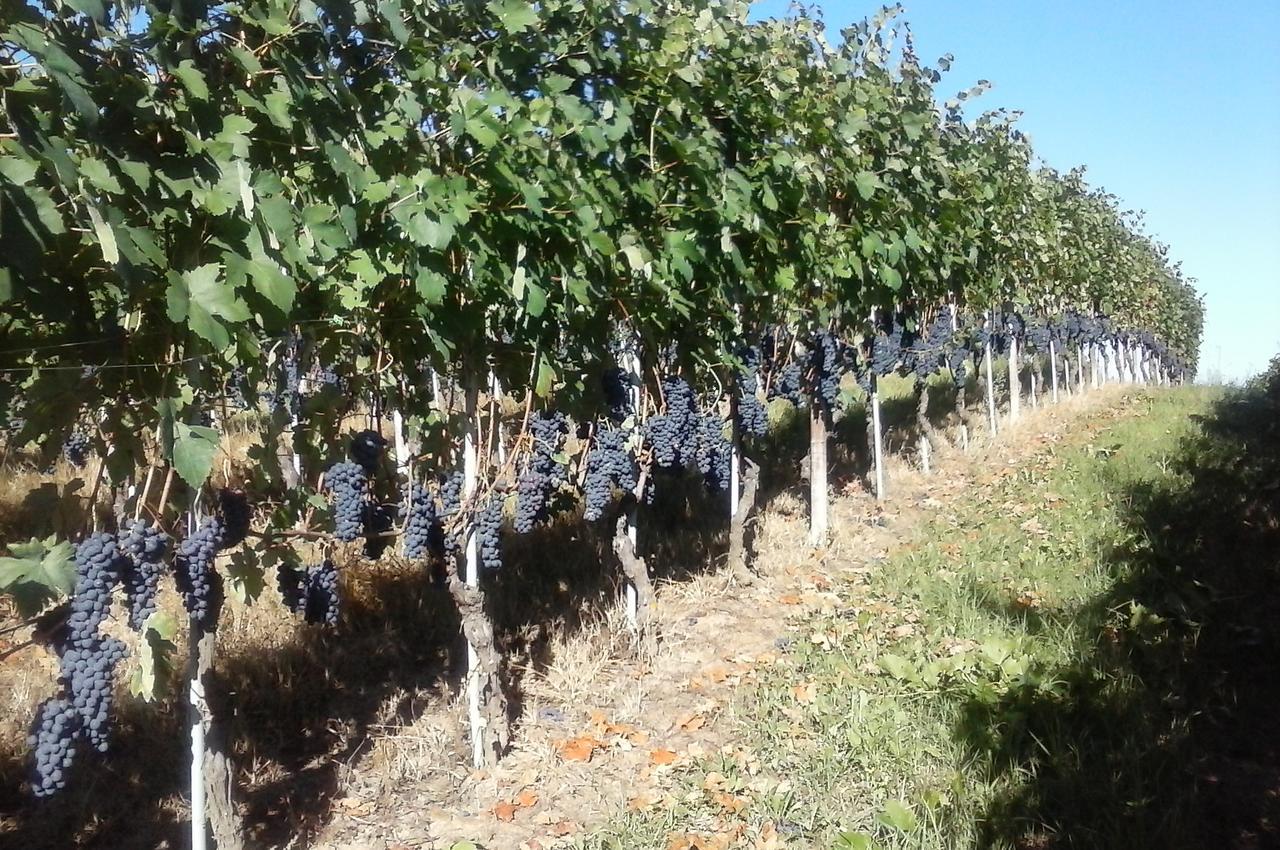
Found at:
<point>378,519</point>
<point>828,361</point>
<point>236,516</point>
<point>543,474</point>
<point>76,449</point>
<point>712,453</point>
<point>753,420</point>
<point>194,572</point>
<point>99,566</point>
<point>609,464</point>
<point>289,581</point>
<point>672,431</point>
<point>87,676</point>
<point>450,504</point>
<point>617,386</point>
<point>290,397</point>
<point>893,346</point>
<point>346,481</point>
<point>489,533</point>
<point>146,547</point>
<point>788,384</point>
<point>1038,334</point>
<point>422,532</point>
<point>322,595</point>
<point>53,745</point>
<point>367,448</point>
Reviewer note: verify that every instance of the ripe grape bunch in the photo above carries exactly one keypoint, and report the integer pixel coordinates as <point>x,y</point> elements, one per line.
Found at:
<point>827,364</point>
<point>199,582</point>
<point>609,464</point>
<point>236,516</point>
<point>712,453</point>
<point>289,581</point>
<point>146,547</point>
<point>451,503</point>
<point>76,449</point>
<point>422,526</point>
<point>543,473</point>
<point>347,482</point>
<point>489,533</point>
<point>367,448</point>
<point>670,432</point>
<point>617,386</point>
<point>52,742</point>
<point>322,596</point>
<point>752,418</point>
<point>87,676</point>
<point>378,519</point>
<point>99,566</point>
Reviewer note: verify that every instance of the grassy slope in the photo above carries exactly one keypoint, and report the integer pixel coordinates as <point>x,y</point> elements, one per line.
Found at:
<point>1030,670</point>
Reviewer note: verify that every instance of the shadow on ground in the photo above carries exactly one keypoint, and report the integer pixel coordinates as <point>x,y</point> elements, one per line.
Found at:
<point>1168,733</point>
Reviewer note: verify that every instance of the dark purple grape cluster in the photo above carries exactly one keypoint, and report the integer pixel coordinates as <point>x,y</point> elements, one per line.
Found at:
<point>145,546</point>
<point>543,473</point>
<point>788,383</point>
<point>617,386</point>
<point>346,481</point>
<point>671,432</point>
<point>378,519</point>
<point>609,465</point>
<point>367,448</point>
<point>322,594</point>
<point>1038,333</point>
<point>87,676</point>
<point>76,449</point>
<point>829,359</point>
<point>289,581</point>
<point>52,742</point>
<point>753,420</point>
<point>194,572</point>
<point>891,345</point>
<point>99,567</point>
<point>422,532</point>
<point>236,516</point>
<point>712,453</point>
<point>489,533</point>
<point>450,504</point>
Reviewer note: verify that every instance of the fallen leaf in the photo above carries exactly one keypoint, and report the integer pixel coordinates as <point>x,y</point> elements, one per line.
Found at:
<point>805,693</point>
<point>577,749</point>
<point>691,722</point>
<point>662,757</point>
<point>527,798</point>
<point>789,599</point>
<point>505,812</point>
<point>563,828</point>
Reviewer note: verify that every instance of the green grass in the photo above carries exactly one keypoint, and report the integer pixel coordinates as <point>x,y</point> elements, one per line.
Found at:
<point>1027,671</point>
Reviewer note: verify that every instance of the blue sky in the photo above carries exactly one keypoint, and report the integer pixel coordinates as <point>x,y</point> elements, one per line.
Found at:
<point>1173,106</point>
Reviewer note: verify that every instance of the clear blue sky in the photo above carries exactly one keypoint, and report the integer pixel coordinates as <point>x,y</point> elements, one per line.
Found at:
<point>1174,106</point>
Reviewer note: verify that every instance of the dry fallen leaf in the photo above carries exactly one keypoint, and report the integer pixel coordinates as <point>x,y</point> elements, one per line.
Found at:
<point>789,599</point>
<point>527,798</point>
<point>577,749</point>
<point>565,827</point>
<point>662,757</point>
<point>691,722</point>
<point>805,693</point>
<point>505,812</point>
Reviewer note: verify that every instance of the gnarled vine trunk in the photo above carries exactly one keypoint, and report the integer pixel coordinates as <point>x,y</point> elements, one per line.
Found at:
<point>744,516</point>
<point>637,572</point>
<point>495,733</point>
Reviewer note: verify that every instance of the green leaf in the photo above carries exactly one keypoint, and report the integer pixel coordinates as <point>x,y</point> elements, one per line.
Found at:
<point>514,15</point>
<point>537,302</point>
<point>897,815</point>
<point>855,841</point>
<point>891,277</point>
<point>95,171</point>
<point>38,572</point>
<point>546,377</point>
<point>15,170</point>
<point>154,670</point>
<point>866,183</point>
<point>106,236</point>
<point>207,288</point>
<point>431,286</point>
<point>192,80</point>
<point>898,667</point>
<point>194,447</point>
<point>273,284</point>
